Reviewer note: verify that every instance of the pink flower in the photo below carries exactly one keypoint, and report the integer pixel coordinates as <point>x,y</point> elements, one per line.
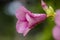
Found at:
<point>57,17</point>
<point>56,30</point>
<point>27,20</point>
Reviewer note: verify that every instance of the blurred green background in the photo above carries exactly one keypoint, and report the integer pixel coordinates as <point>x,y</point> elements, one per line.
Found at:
<point>42,31</point>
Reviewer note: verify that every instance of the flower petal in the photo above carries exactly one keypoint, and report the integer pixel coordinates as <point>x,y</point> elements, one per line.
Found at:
<point>26,31</point>
<point>57,17</point>
<point>35,18</point>
<point>36,14</point>
<point>21,25</point>
<point>21,12</point>
<point>56,32</point>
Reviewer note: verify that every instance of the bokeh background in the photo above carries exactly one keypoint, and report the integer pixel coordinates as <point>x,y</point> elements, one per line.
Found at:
<point>8,20</point>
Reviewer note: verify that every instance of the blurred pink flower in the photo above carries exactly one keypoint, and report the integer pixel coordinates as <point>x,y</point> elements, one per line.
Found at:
<point>56,30</point>
<point>57,17</point>
<point>27,20</point>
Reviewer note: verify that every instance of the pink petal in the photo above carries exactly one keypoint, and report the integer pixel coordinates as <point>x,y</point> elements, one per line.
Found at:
<point>26,31</point>
<point>21,26</point>
<point>57,17</point>
<point>30,19</point>
<point>36,14</point>
<point>21,12</point>
<point>35,18</point>
<point>39,16</point>
<point>56,32</point>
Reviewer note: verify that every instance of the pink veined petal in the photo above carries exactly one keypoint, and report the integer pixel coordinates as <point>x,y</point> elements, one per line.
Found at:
<point>35,18</point>
<point>21,12</point>
<point>21,26</point>
<point>57,17</point>
<point>56,32</point>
